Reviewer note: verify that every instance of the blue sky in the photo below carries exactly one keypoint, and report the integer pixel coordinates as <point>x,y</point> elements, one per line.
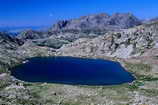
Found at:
<point>46,12</point>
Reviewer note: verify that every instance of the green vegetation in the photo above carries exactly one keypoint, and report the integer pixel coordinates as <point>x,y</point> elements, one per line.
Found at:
<point>142,72</point>
<point>149,92</point>
<point>138,68</point>
<point>147,78</point>
<point>2,70</point>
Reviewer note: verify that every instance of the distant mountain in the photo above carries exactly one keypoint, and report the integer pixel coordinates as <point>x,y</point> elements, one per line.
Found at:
<point>19,29</point>
<point>84,27</point>
<point>29,35</point>
<point>98,22</point>
<point>8,42</point>
<point>153,20</point>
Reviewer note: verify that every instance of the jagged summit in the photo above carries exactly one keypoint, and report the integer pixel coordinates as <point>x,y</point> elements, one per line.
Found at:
<point>98,22</point>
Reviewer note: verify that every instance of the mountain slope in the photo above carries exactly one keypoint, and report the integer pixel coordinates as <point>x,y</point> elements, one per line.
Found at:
<point>127,43</point>
<point>98,22</point>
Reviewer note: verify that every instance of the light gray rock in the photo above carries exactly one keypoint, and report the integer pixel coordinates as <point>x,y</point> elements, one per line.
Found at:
<point>127,43</point>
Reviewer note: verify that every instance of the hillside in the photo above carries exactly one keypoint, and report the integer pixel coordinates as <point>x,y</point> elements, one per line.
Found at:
<point>124,44</point>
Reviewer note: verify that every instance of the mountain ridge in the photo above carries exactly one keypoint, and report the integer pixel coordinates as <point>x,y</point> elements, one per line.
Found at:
<point>85,26</point>
<point>100,21</point>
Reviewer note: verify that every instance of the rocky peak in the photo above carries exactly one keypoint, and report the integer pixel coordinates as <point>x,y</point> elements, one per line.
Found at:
<point>98,22</point>
<point>60,24</point>
<point>124,20</point>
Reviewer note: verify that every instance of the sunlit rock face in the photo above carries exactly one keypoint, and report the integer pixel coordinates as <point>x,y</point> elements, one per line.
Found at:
<point>98,22</point>
<point>124,44</point>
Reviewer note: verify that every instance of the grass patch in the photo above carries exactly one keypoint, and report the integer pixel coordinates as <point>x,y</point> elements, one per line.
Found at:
<point>3,70</point>
<point>141,71</point>
<point>135,85</point>
<point>147,78</point>
<point>139,68</point>
<point>150,92</point>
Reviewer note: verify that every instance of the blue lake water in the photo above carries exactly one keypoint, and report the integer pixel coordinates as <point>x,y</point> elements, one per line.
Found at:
<point>70,70</point>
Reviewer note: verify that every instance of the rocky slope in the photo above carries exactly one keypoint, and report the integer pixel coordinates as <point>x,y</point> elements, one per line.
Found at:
<point>8,45</point>
<point>127,43</point>
<point>8,42</point>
